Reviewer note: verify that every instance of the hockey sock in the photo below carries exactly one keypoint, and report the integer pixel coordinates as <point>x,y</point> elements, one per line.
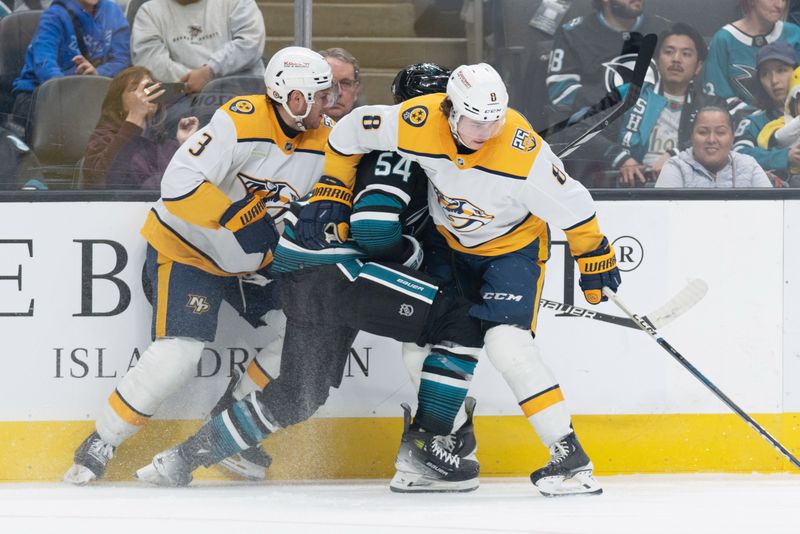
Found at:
<point>515,355</point>
<point>446,374</point>
<point>240,427</point>
<point>265,366</point>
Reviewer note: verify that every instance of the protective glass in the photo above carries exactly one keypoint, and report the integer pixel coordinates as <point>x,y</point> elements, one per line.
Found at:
<point>327,97</point>
<point>472,129</point>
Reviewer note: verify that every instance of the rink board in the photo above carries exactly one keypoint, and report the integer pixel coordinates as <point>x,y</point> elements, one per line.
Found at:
<point>74,319</point>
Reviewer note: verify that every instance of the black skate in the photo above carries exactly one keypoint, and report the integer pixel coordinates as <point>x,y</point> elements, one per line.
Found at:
<point>251,463</point>
<point>91,460</point>
<point>168,468</point>
<point>431,463</point>
<point>569,471</point>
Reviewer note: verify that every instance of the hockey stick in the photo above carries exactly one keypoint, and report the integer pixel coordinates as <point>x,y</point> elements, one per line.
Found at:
<point>650,329</point>
<point>646,51</point>
<point>687,297</point>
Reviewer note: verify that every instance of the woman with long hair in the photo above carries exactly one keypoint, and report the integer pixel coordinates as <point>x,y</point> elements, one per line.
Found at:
<point>127,149</point>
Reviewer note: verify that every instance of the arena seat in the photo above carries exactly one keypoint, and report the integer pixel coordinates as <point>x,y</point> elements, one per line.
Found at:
<point>16,32</point>
<point>65,113</point>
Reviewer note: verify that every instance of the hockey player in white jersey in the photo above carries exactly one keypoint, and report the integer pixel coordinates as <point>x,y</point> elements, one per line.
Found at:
<point>495,185</point>
<point>220,196</point>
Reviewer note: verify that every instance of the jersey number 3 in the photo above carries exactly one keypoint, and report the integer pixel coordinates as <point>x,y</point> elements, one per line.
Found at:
<point>202,144</point>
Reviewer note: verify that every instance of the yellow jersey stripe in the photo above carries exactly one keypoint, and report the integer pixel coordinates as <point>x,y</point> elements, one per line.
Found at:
<point>164,272</point>
<point>202,206</point>
<point>125,411</point>
<point>524,234</point>
<point>258,375</point>
<point>538,294</point>
<point>541,401</point>
<point>584,237</point>
<point>169,243</point>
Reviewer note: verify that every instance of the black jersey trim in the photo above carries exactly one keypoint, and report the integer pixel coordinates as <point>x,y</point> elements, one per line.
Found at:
<point>551,388</point>
<point>580,223</point>
<point>427,155</point>
<point>318,152</point>
<point>339,151</point>
<point>256,140</point>
<point>501,173</point>
<point>128,404</point>
<point>186,195</point>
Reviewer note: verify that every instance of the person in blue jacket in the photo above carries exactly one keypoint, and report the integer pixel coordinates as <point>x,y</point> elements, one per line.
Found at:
<point>651,130</point>
<point>776,62</point>
<point>74,37</point>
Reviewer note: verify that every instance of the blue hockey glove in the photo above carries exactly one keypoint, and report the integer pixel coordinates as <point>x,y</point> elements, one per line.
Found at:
<point>250,223</point>
<point>598,269</point>
<point>325,219</point>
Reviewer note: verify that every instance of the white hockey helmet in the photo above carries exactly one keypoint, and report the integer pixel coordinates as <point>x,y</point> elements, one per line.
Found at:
<point>295,68</point>
<point>479,94</point>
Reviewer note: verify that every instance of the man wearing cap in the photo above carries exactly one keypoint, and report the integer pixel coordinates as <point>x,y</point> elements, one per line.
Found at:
<point>775,63</point>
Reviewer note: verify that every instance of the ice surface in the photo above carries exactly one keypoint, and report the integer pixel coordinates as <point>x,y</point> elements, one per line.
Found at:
<point>642,504</point>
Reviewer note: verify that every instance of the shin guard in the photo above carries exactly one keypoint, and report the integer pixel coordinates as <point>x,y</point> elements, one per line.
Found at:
<point>515,355</point>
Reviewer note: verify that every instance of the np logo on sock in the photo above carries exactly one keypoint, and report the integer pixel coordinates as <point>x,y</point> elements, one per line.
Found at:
<point>406,310</point>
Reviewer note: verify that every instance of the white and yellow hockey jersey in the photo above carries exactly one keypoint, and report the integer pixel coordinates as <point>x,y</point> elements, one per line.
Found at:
<point>493,201</point>
<point>242,149</point>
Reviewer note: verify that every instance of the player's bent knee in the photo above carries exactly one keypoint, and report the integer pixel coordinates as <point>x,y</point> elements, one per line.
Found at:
<point>449,320</point>
<point>510,347</point>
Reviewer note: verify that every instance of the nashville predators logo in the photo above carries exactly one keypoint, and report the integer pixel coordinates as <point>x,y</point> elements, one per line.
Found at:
<point>277,193</point>
<point>244,107</point>
<point>463,215</point>
<point>416,116</point>
<point>198,304</point>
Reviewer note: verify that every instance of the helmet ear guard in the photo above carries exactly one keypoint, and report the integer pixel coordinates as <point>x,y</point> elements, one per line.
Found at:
<point>295,68</point>
<point>477,92</point>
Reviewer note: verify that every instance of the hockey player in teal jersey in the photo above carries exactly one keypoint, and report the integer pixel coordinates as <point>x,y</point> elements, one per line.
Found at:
<point>776,61</point>
<point>730,70</point>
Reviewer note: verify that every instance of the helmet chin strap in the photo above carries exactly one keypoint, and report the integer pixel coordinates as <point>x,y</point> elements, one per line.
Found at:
<point>298,119</point>
<point>452,120</point>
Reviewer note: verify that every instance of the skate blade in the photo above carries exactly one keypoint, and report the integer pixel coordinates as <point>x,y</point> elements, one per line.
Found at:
<point>581,483</point>
<point>150,475</point>
<point>406,482</point>
<point>79,475</point>
<point>241,467</point>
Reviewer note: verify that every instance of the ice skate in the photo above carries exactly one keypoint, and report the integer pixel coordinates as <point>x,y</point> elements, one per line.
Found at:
<point>569,471</point>
<point>168,468</point>
<point>431,463</point>
<point>251,463</point>
<point>91,460</point>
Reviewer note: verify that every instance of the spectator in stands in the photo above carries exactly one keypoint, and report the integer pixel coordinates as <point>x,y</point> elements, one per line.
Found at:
<point>776,61</point>
<point>650,130</point>
<point>730,71</point>
<point>126,150</point>
<point>195,41</point>
<point>587,51</point>
<point>74,37</point>
<point>348,76</point>
<point>784,132</point>
<point>709,162</point>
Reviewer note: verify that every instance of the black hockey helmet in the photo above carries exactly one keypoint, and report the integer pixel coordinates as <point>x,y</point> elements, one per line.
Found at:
<point>419,79</point>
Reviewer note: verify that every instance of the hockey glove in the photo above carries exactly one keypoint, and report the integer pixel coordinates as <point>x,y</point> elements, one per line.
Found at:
<point>250,223</point>
<point>598,269</point>
<point>325,219</point>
